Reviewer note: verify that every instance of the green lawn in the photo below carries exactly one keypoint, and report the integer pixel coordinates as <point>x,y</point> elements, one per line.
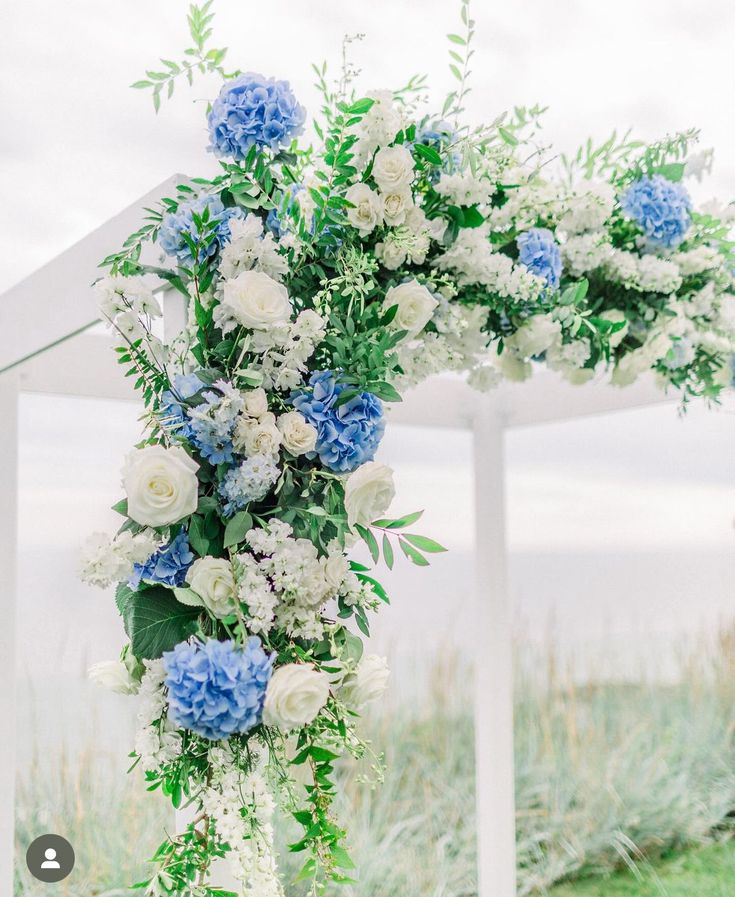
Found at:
<point>704,872</point>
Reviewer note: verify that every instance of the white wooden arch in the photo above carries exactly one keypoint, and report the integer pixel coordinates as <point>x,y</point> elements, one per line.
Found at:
<point>39,316</point>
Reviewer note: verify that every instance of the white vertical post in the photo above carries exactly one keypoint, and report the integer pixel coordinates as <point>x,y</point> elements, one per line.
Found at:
<point>493,659</point>
<point>8,563</point>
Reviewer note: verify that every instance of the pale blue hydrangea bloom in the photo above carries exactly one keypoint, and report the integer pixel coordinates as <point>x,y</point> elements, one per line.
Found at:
<point>212,423</point>
<point>249,481</point>
<point>167,565</point>
<point>171,412</point>
<point>348,435</point>
<point>181,221</point>
<point>217,689</point>
<point>539,252</point>
<point>660,208</point>
<point>252,110</point>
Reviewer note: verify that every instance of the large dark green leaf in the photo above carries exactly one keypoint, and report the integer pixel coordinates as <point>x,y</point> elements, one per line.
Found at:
<point>155,621</point>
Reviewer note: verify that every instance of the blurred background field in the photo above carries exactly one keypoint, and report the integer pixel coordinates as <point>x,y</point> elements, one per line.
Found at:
<point>609,776</point>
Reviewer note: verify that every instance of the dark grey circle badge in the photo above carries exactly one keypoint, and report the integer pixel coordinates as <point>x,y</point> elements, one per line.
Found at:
<point>50,858</point>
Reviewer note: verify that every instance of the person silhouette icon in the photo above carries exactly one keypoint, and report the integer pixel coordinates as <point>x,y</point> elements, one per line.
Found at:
<point>50,862</point>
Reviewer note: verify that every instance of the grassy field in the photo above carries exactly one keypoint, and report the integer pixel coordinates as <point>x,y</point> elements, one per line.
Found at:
<point>607,776</point>
<point>705,872</point>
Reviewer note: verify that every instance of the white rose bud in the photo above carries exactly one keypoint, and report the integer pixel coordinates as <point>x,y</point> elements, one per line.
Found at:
<point>255,402</point>
<point>368,493</point>
<point>113,674</point>
<point>212,579</point>
<point>256,300</point>
<point>393,168</point>
<point>367,213</point>
<point>335,567</point>
<point>260,437</point>
<point>415,306</point>
<point>161,485</point>
<point>368,683</point>
<point>391,254</point>
<point>296,693</point>
<point>298,435</point>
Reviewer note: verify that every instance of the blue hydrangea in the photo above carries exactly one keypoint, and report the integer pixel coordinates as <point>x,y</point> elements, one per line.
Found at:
<point>660,208</point>
<point>167,565</point>
<point>252,110</point>
<point>181,221</point>
<point>171,412</point>
<point>348,435</point>
<point>277,226</point>
<point>249,481</point>
<point>211,426</point>
<point>217,689</point>
<point>539,252</point>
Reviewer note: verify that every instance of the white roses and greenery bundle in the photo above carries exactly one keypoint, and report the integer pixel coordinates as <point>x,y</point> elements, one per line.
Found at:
<point>322,279</point>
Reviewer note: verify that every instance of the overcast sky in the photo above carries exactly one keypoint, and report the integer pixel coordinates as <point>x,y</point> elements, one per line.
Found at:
<point>77,144</point>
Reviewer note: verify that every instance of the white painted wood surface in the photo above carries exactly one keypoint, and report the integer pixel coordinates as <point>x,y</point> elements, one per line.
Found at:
<point>8,597</point>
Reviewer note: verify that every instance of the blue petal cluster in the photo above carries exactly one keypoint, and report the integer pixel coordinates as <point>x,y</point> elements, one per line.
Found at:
<point>539,252</point>
<point>211,426</point>
<point>660,208</point>
<point>175,224</point>
<point>167,565</point>
<point>249,481</point>
<point>217,689</point>
<point>253,110</point>
<point>171,412</point>
<point>348,435</point>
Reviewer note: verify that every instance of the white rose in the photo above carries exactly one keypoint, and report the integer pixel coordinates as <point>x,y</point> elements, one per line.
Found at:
<point>535,336</point>
<point>255,402</point>
<point>616,316</point>
<point>212,579</point>
<point>260,437</point>
<point>335,567</point>
<point>367,213</point>
<point>368,493</point>
<point>295,695</point>
<point>415,306</point>
<point>368,683</point>
<point>396,206</point>
<point>257,301</point>
<point>298,435</point>
<point>391,254</point>
<point>161,485</point>
<point>393,168</point>
<point>113,674</point>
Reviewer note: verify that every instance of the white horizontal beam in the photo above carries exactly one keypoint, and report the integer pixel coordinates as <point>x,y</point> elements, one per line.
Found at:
<point>56,302</point>
<point>86,366</point>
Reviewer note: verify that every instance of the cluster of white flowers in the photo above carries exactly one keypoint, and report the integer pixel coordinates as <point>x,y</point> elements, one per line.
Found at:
<point>156,741</point>
<point>242,808</point>
<point>647,273</point>
<point>249,248</point>
<point>106,561</point>
<point>585,252</point>
<point>377,127</point>
<point>698,260</point>
<point>529,199</point>
<point>129,307</point>
<point>393,171</point>
<point>285,582</point>
<point>285,349</point>
<point>472,259</point>
<point>465,188</point>
<point>587,207</point>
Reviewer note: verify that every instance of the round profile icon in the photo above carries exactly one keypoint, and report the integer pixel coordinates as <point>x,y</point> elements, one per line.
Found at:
<point>50,858</point>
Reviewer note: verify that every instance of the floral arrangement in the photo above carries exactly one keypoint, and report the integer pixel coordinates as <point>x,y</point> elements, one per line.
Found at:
<point>321,281</point>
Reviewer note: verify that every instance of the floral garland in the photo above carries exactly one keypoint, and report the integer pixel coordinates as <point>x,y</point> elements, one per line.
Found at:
<point>321,281</point>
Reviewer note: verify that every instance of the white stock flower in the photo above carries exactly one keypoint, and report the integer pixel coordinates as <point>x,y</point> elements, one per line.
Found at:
<point>368,683</point>
<point>213,581</point>
<point>256,300</point>
<point>114,675</point>
<point>161,484</point>
<point>367,213</point>
<point>415,306</point>
<point>297,434</point>
<point>537,335</point>
<point>296,693</point>
<point>393,169</point>
<point>368,493</point>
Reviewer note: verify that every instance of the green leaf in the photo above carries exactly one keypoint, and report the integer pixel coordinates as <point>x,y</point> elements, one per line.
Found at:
<point>387,551</point>
<point>385,391</point>
<point>121,507</point>
<point>360,107</point>
<point>456,39</point>
<point>370,540</point>
<point>197,539</point>
<point>155,621</point>
<point>412,554</point>
<point>237,527</point>
<point>399,522</point>
<point>508,137</point>
<point>428,153</point>
<point>424,543</point>
<point>673,171</point>
<point>188,597</point>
